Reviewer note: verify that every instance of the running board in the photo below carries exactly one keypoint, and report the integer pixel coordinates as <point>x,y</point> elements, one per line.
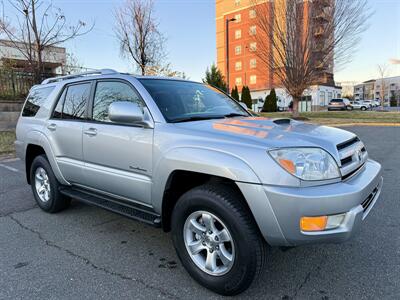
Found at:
<point>130,210</point>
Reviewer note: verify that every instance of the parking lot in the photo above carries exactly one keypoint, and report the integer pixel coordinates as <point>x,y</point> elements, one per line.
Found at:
<point>86,252</point>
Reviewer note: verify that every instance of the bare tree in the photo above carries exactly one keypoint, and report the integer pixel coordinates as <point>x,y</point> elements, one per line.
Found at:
<point>138,34</point>
<point>164,70</point>
<point>38,28</point>
<point>382,70</point>
<point>300,42</point>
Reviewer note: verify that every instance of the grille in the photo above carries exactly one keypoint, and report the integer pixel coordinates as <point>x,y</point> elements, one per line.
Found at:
<point>352,155</point>
<point>367,202</point>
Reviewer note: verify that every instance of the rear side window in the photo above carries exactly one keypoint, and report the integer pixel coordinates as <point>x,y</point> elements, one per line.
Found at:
<point>73,102</point>
<point>35,100</point>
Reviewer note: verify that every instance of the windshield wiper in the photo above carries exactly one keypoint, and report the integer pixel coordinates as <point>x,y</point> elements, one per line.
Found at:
<point>195,118</point>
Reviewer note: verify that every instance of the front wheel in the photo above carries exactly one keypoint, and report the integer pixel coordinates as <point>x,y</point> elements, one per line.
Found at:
<point>45,186</point>
<point>217,240</point>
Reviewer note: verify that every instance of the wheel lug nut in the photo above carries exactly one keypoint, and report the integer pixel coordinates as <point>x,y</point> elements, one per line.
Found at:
<point>210,232</point>
<point>211,250</point>
<point>217,247</point>
<point>216,238</point>
<point>204,243</point>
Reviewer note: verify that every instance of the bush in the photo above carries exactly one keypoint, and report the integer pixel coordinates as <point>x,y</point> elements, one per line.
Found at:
<point>246,97</point>
<point>393,102</point>
<point>235,93</point>
<point>270,104</point>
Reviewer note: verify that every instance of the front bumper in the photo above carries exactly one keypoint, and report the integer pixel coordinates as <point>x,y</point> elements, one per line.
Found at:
<point>284,206</point>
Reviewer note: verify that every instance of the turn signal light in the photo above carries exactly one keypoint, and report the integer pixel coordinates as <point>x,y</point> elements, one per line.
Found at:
<point>313,223</point>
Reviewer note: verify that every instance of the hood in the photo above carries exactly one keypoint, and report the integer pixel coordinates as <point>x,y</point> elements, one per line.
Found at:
<point>270,133</point>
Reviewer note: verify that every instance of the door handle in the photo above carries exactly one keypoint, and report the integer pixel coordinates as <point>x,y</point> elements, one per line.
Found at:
<point>91,132</point>
<point>52,127</point>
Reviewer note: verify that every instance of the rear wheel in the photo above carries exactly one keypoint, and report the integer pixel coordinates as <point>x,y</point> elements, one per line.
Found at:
<point>45,186</point>
<point>363,108</point>
<point>217,240</point>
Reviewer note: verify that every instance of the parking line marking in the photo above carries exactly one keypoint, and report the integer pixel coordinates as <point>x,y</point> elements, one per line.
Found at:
<point>10,160</point>
<point>9,168</point>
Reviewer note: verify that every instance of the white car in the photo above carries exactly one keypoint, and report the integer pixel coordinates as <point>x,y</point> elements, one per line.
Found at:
<point>359,105</point>
<point>370,103</point>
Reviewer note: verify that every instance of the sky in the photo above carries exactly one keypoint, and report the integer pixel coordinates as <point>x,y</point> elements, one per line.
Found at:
<point>189,26</point>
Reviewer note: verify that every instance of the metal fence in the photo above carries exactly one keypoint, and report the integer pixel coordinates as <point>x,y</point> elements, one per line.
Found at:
<point>15,85</point>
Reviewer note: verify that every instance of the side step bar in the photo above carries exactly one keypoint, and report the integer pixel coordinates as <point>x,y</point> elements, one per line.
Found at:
<point>130,210</point>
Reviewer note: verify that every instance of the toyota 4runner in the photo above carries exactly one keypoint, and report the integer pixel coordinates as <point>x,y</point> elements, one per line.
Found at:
<point>186,157</point>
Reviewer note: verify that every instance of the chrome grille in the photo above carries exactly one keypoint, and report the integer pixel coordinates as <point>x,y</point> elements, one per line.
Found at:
<point>353,155</point>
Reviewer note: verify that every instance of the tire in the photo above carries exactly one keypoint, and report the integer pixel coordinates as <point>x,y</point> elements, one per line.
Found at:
<point>363,108</point>
<point>349,108</point>
<point>248,248</point>
<point>50,200</point>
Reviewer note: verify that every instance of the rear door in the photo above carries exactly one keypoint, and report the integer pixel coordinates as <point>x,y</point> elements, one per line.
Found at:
<point>64,129</point>
<point>118,157</point>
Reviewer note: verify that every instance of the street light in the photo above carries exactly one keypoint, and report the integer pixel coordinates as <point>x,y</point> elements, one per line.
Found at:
<point>227,52</point>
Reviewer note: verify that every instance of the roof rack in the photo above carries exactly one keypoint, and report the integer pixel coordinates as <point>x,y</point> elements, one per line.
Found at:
<point>72,76</point>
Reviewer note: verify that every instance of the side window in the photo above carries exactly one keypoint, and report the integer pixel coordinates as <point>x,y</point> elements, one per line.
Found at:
<point>108,92</point>
<point>35,100</point>
<point>75,102</point>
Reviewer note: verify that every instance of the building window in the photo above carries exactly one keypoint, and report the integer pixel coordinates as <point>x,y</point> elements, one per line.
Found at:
<point>238,81</point>
<point>252,13</point>
<point>238,50</point>
<point>238,65</point>
<point>253,63</point>
<point>322,98</point>
<point>238,34</point>
<point>329,96</point>
<point>237,2</point>
<point>238,18</point>
<point>253,79</point>
<point>253,46</point>
<point>252,30</point>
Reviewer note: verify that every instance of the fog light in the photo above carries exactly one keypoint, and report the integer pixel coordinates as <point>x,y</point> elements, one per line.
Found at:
<point>321,223</point>
<point>334,221</point>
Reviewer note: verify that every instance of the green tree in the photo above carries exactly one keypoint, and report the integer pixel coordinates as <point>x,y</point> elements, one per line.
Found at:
<point>235,93</point>
<point>215,78</point>
<point>246,96</point>
<point>270,104</point>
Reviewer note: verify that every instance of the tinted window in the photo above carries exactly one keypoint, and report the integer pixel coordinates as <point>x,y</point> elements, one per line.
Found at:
<point>35,99</point>
<point>76,98</point>
<point>183,100</point>
<point>109,92</point>
<point>337,100</point>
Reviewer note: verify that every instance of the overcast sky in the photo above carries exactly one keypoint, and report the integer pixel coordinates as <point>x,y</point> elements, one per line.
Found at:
<point>189,26</point>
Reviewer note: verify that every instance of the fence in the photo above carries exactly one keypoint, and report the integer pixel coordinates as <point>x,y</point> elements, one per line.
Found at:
<point>15,85</point>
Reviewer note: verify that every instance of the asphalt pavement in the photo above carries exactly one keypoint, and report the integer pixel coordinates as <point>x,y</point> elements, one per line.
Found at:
<point>86,252</point>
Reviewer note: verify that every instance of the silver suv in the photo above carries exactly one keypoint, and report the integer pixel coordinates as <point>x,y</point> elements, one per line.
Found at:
<point>186,157</point>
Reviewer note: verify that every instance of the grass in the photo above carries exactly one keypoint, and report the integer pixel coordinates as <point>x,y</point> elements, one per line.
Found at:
<point>7,139</point>
<point>343,117</point>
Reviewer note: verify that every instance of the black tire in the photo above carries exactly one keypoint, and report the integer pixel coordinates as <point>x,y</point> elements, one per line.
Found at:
<point>250,247</point>
<point>57,202</point>
<point>363,108</point>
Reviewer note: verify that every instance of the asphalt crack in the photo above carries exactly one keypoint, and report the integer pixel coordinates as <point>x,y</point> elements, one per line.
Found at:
<point>90,263</point>
<point>307,278</point>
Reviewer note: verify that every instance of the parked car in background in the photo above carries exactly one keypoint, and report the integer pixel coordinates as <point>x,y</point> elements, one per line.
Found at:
<point>340,104</point>
<point>359,105</point>
<point>376,103</point>
<point>370,103</point>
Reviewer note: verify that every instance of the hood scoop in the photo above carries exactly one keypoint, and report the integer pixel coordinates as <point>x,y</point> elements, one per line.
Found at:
<point>282,121</point>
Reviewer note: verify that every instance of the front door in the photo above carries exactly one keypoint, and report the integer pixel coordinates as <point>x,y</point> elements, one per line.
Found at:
<point>118,157</point>
<point>64,130</point>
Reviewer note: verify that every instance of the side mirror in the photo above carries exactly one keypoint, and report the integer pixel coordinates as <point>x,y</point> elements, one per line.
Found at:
<point>125,112</point>
<point>242,104</point>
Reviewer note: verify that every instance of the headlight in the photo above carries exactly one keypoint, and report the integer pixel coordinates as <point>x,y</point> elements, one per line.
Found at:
<point>307,163</point>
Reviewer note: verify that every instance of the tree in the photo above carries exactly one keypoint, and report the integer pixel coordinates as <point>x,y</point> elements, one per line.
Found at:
<point>138,35</point>
<point>235,93</point>
<point>382,70</point>
<point>39,27</point>
<point>165,71</point>
<point>270,104</point>
<point>301,41</point>
<point>246,97</point>
<point>215,78</point>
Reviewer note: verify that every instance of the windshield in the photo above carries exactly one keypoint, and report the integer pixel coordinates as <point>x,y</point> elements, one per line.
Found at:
<point>181,101</point>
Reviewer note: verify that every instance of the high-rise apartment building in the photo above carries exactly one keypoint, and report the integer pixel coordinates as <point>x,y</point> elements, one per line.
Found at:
<point>245,68</point>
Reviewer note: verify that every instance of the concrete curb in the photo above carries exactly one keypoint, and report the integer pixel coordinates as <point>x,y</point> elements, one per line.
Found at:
<point>366,124</point>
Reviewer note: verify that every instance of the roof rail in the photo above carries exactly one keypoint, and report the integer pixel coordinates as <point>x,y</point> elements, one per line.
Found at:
<point>72,76</point>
